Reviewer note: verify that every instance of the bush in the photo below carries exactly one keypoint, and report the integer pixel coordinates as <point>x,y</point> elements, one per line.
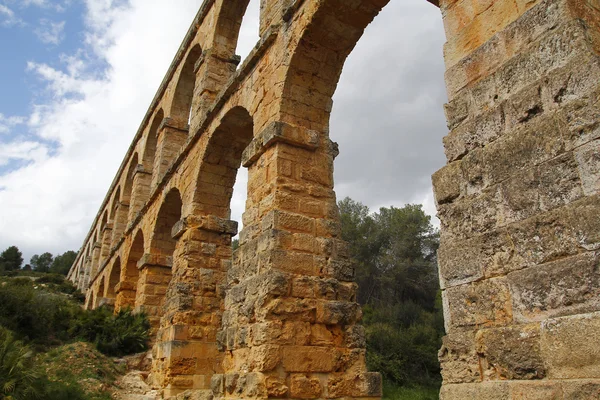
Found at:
<point>114,335</point>
<point>36,315</point>
<point>19,380</point>
<point>51,278</point>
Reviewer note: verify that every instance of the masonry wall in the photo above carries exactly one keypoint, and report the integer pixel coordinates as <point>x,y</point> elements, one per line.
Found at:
<point>278,318</point>
<point>518,201</point>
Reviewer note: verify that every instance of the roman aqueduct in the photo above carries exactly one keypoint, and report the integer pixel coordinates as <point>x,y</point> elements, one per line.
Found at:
<point>518,200</point>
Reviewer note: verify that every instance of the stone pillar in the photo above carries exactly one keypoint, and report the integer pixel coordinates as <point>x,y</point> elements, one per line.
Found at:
<point>290,327</point>
<point>126,293</point>
<point>519,200</point>
<point>140,191</point>
<point>154,278</point>
<point>170,140</point>
<point>187,351</point>
<point>213,70</point>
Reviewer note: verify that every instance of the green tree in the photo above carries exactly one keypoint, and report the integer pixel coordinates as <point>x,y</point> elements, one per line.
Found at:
<point>41,263</point>
<point>63,262</point>
<point>396,269</point>
<point>11,259</point>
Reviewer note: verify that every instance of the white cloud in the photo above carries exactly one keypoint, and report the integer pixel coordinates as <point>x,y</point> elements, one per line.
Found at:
<point>22,151</point>
<point>94,114</point>
<point>8,17</point>
<point>7,123</point>
<point>50,32</point>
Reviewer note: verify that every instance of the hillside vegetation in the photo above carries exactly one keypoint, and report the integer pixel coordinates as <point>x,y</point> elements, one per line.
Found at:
<point>50,348</point>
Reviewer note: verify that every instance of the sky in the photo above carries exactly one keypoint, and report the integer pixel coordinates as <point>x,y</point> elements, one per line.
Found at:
<point>77,76</point>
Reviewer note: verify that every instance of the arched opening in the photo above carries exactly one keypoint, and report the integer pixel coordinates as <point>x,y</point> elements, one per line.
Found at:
<point>106,234</point>
<point>184,91</point>
<point>129,286</point>
<point>151,142</point>
<point>99,295</point>
<point>221,162</point>
<point>238,32</point>
<point>169,214</point>
<point>119,211</point>
<point>114,279</point>
<point>128,187</point>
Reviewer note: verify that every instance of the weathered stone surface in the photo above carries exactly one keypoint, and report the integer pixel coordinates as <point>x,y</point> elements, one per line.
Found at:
<point>479,304</point>
<point>480,391</point>
<point>581,389</point>
<point>570,346</point>
<point>459,359</point>
<point>518,204</point>
<point>536,391</point>
<point>564,287</point>
<point>511,353</point>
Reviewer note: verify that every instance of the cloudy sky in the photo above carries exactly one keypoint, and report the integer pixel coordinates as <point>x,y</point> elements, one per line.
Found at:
<point>77,76</point>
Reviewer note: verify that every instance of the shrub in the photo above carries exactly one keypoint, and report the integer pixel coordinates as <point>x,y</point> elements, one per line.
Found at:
<point>19,380</point>
<point>35,314</point>
<point>115,335</point>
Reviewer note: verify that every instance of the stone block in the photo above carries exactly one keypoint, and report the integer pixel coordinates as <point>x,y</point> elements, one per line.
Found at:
<point>309,358</point>
<point>563,287</point>
<point>511,353</point>
<point>464,261</point>
<point>536,390</point>
<point>479,304</point>
<point>479,391</point>
<point>368,384</point>
<point>447,183</point>
<point>588,161</point>
<point>581,390</point>
<point>571,346</point>
<point>305,387</point>
<point>458,358</point>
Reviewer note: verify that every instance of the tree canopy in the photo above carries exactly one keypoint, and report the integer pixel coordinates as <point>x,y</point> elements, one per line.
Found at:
<point>396,269</point>
<point>11,259</point>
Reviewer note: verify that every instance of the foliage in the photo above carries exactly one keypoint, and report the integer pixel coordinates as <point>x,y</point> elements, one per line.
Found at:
<point>37,315</point>
<point>62,263</point>
<point>11,259</point>
<point>18,377</point>
<point>41,263</point>
<point>115,335</point>
<point>45,316</point>
<point>396,270</point>
<point>391,392</point>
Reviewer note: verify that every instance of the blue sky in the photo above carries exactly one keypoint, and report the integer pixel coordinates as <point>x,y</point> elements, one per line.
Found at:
<point>77,76</point>
<point>41,32</point>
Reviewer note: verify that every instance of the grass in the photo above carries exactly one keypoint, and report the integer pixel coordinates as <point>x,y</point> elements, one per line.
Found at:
<point>80,365</point>
<point>391,392</point>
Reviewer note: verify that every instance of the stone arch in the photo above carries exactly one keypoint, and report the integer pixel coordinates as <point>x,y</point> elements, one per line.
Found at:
<point>162,242</point>
<point>119,212</point>
<point>114,277</point>
<point>184,90</point>
<point>128,185</point>
<point>332,34</point>
<point>99,294</point>
<point>228,25</point>
<point>126,295</point>
<point>149,153</point>
<point>221,161</point>
<point>106,237</point>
